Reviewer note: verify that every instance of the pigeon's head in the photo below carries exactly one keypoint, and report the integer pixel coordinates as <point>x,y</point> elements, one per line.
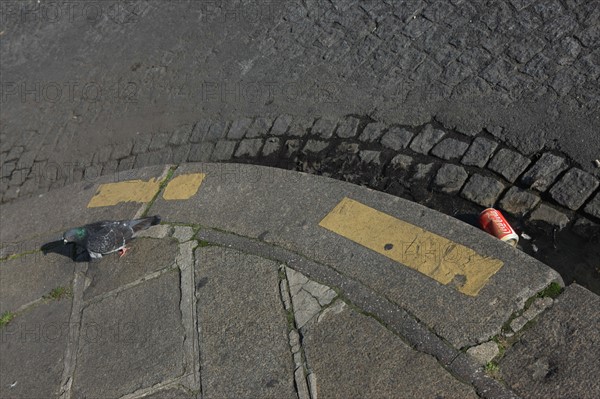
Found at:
<point>74,235</point>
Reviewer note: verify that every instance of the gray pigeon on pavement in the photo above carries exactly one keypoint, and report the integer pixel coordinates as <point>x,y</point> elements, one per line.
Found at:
<point>105,237</point>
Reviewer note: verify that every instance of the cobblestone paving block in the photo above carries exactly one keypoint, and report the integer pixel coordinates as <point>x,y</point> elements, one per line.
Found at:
<point>421,171</point>
<point>544,172</point>
<point>593,207</point>
<point>223,150</point>
<point>509,164</point>
<point>126,163</point>
<point>249,147</point>
<point>141,144</point>
<point>450,178</point>
<point>292,147</point>
<point>180,153</point>
<point>272,145</point>
<point>324,128</point>
<point>122,150</point>
<point>479,152</point>
<point>315,146</point>
<point>484,353</point>
<point>200,131</point>
<point>482,190</point>
<point>281,125</point>
<point>217,131</point>
<point>259,128</point>
<point>426,140</point>
<point>181,135</point>
<point>547,214</point>
<point>449,149</point>
<point>585,228</point>
<point>518,202</point>
<point>300,126</point>
<point>153,158</point>
<point>159,141</point>
<point>402,161</point>
<point>574,188</point>
<point>239,128</point>
<point>201,152</point>
<point>8,168</point>
<point>396,138</point>
<point>348,128</point>
<point>372,132</point>
<point>370,157</point>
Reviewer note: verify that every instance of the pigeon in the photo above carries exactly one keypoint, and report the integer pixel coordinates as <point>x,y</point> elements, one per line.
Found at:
<point>105,237</point>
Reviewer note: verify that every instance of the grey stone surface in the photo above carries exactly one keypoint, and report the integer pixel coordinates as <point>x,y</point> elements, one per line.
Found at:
<point>181,135</point>
<point>217,131</point>
<point>574,188</point>
<point>479,152</point>
<point>307,297</point>
<point>183,233</point>
<point>547,214</point>
<point>171,393</point>
<point>145,256</point>
<point>396,138</point>
<point>300,126</point>
<point>180,154</point>
<point>32,348</point>
<point>402,161</point>
<point>372,132</point>
<point>259,128</point>
<point>272,145</point>
<point>426,139</point>
<point>544,172</point>
<point>223,150</point>
<point>347,128</point>
<point>372,362</point>
<point>421,171</point>
<point>141,320</point>
<point>249,147</point>
<point>315,146</point>
<point>201,152</point>
<point>238,128</point>
<point>122,150</point>
<point>200,131</point>
<point>509,164</point>
<point>593,207</point>
<point>243,337</point>
<point>30,277</point>
<point>517,201</point>
<point>281,125</point>
<point>450,149</point>
<point>324,128</point>
<point>159,141</point>
<point>484,353</point>
<point>558,357</point>
<point>158,157</point>
<point>482,190</point>
<point>450,178</point>
<point>370,157</point>
<point>292,147</point>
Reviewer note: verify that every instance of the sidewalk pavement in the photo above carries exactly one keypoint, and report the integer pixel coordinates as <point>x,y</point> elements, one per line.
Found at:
<point>266,283</point>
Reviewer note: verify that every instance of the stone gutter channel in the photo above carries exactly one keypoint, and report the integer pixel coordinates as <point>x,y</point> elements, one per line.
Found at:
<point>545,195</point>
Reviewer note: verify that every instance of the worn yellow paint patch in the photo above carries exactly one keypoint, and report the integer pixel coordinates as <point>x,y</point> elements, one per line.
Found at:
<point>184,186</point>
<point>109,194</point>
<point>437,257</point>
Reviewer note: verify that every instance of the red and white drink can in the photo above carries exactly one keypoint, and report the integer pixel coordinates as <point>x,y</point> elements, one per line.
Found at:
<point>493,222</point>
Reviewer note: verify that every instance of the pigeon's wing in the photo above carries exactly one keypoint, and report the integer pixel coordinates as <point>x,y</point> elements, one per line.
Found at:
<point>107,237</point>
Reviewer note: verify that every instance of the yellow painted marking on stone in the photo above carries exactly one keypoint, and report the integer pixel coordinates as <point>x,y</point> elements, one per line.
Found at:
<point>443,260</point>
<point>184,186</point>
<point>109,194</point>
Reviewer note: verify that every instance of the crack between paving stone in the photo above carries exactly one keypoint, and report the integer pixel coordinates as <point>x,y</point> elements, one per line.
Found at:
<point>70,361</point>
<point>425,341</point>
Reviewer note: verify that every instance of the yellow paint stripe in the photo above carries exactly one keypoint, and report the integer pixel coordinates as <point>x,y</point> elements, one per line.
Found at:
<point>184,186</point>
<point>109,194</point>
<point>437,257</point>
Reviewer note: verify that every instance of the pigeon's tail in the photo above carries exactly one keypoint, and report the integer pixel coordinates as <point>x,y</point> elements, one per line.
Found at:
<point>144,223</point>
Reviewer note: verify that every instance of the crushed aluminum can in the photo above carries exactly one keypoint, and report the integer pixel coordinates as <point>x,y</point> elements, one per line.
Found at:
<point>492,221</point>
